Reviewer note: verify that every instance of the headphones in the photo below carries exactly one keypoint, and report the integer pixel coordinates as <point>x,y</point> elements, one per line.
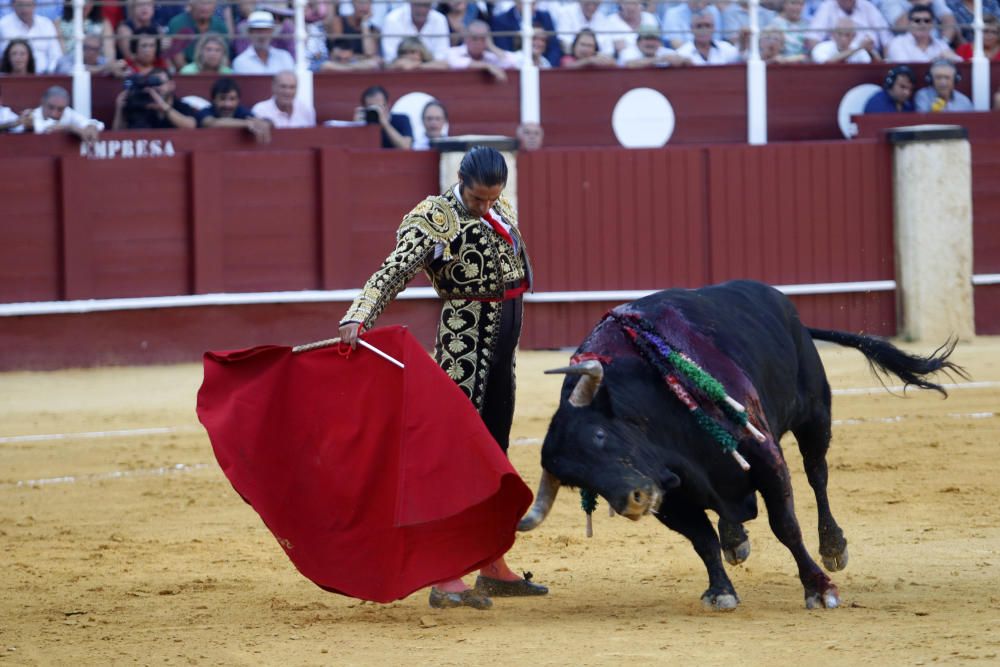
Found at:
<point>896,72</point>
<point>929,77</point>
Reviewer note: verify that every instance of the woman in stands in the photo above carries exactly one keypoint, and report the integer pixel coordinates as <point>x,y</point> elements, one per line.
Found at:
<point>17,58</point>
<point>141,18</point>
<point>414,55</point>
<point>94,23</point>
<point>146,58</point>
<point>991,41</point>
<point>210,56</point>
<point>583,53</point>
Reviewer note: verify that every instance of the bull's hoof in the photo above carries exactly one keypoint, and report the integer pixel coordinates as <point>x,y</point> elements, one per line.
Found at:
<point>829,599</point>
<point>835,562</point>
<point>720,601</point>
<point>737,554</point>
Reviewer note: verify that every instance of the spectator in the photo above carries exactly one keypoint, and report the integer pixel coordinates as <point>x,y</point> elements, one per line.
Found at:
<point>343,58</point>
<point>9,120</point>
<point>791,22</point>
<point>772,47</point>
<point>896,12</point>
<point>479,52</point>
<point>167,10</point>
<point>396,129</point>
<point>282,109</point>
<point>226,111</point>
<point>583,52</point>
<point>56,115</point>
<point>39,31</point>
<point>941,95</point>
<point>703,49</point>
<point>649,51</point>
<point>416,19</point>
<point>435,120</point>
<point>148,102</point>
<point>146,50</point>
<point>260,57</point>
<point>140,19</point>
<point>94,23</point>
<point>18,58</point>
<point>413,54</point>
<point>460,15</point>
<point>357,28</point>
<point>863,15</point>
<point>964,16</point>
<point>991,41</point>
<point>530,136</point>
<point>539,43</point>
<point>844,48</point>
<point>919,45</point>
<point>585,14</point>
<point>628,21</point>
<point>210,56</point>
<point>93,61</point>
<point>510,22</point>
<point>185,29</point>
<point>50,9</point>
<point>677,21</point>
<point>896,95</point>
<point>282,34</point>
<point>736,23</point>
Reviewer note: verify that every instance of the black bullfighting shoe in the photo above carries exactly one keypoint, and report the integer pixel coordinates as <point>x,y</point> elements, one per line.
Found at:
<point>468,598</point>
<point>508,589</point>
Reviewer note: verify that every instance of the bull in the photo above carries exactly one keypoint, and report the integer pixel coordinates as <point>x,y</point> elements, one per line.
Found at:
<point>621,432</point>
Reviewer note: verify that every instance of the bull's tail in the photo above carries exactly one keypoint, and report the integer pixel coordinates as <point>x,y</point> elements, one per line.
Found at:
<point>885,358</point>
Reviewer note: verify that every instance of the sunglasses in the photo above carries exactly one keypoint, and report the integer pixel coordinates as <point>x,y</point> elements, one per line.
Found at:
<point>921,21</point>
<point>701,25</point>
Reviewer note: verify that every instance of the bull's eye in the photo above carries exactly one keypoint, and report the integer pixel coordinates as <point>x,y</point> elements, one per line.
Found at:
<point>599,437</point>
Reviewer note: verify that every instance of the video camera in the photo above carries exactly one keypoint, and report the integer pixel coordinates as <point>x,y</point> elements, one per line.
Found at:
<point>138,99</point>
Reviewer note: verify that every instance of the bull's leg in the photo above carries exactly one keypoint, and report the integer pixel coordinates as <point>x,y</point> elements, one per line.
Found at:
<point>776,487</point>
<point>735,543</point>
<point>693,524</point>
<point>814,441</point>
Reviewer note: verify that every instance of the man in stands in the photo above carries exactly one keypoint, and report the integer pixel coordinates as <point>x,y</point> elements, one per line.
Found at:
<point>919,45</point>
<point>649,51</point>
<point>260,57</point>
<point>941,94</point>
<point>843,47</point>
<point>282,109</point>
<point>397,132</point>
<point>148,102</point>
<point>93,60</point>
<point>479,52</point>
<point>197,20</point>
<point>530,136</point>
<point>415,19</point>
<point>56,115</point>
<point>896,95</point>
<point>704,49</point>
<point>863,14</point>
<point>38,30</point>
<point>226,111</point>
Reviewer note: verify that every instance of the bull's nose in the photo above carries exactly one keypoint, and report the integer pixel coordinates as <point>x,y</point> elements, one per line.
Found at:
<point>639,501</point>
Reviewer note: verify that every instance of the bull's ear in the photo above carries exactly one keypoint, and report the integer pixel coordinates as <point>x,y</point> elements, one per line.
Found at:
<point>669,480</point>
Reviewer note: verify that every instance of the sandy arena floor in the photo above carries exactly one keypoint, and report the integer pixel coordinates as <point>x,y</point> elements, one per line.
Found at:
<point>123,543</point>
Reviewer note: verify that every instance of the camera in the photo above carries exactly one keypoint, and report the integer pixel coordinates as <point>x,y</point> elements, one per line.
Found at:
<point>371,115</point>
<point>138,99</point>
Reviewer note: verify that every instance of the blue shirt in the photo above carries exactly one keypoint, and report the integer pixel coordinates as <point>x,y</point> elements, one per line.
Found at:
<point>880,102</point>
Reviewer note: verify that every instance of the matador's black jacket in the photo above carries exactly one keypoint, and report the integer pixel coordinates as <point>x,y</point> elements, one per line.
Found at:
<point>470,266</point>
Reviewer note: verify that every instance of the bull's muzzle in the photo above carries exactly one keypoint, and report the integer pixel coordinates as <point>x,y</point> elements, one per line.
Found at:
<point>548,487</point>
<point>641,501</point>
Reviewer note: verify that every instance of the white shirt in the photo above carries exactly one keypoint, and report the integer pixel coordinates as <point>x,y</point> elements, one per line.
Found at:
<point>721,53</point>
<point>399,23</point>
<point>41,35</point>
<point>904,49</point>
<point>571,21</point>
<point>868,20</point>
<point>458,58</point>
<point>301,116</point>
<point>624,31</point>
<point>677,23</point>
<point>824,51</point>
<point>278,60</point>
<point>7,115</point>
<point>630,53</point>
<point>70,118</point>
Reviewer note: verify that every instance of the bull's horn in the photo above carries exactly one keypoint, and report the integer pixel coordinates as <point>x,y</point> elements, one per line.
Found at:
<point>591,372</point>
<point>548,487</point>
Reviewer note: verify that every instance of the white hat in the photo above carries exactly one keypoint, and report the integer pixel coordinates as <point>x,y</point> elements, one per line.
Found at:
<point>260,19</point>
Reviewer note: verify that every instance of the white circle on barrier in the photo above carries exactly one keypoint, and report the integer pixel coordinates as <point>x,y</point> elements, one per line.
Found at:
<point>643,118</point>
<point>853,102</point>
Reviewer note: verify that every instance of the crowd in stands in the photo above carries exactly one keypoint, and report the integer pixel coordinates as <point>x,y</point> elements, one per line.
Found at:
<point>147,44</point>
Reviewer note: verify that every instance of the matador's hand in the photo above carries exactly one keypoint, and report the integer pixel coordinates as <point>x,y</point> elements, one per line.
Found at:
<point>349,333</point>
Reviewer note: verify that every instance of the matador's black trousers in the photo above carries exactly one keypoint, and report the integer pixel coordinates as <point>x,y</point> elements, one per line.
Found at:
<point>498,399</point>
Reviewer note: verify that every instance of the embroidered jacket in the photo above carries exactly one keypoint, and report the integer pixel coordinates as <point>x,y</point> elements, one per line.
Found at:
<point>463,257</point>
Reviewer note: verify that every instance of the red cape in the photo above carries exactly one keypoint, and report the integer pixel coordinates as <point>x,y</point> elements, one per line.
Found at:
<point>376,481</point>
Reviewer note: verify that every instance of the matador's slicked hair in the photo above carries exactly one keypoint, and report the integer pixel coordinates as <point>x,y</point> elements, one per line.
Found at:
<point>483,165</point>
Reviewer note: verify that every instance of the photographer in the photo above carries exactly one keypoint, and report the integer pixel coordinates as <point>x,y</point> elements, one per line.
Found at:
<point>148,102</point>
<point>396,129</point>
